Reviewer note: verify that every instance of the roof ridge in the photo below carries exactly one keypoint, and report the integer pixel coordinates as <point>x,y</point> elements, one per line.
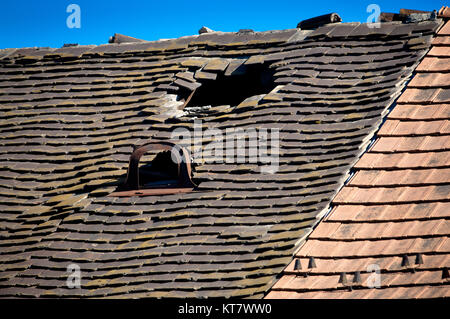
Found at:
<point>216,38</point>
<point>121,39</point>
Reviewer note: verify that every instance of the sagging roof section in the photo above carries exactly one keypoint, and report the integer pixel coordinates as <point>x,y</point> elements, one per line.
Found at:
<point>393,216</point>
<point>70,117</point>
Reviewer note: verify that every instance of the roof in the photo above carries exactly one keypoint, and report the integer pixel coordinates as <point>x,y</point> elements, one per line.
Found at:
<point>71,115</point>
<point>395,210</point>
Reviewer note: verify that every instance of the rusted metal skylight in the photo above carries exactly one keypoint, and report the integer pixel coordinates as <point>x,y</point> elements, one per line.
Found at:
<point>168,173</point>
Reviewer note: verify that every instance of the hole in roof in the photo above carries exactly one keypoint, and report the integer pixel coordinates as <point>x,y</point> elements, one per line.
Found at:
<point>244,82</point>
<point>157,168</point>
<point>157,171</point>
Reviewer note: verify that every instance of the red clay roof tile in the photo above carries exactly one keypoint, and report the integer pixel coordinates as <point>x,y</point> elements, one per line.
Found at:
<point>439,52</point>
<point>386,144</point>
<point>435,292</point>
<point>418,96</point>
<point>418,194</point>
<point>426,64</point>
<point>428,80</point>
<point>276,294</point>
<point>441,65</point>
<point>404,160</point>
<point>441,210</point>
<point>388,127</point>
<point>445,30</point>
<point>443,96</point>
<point>434,64</point>
<point>443,246</point>
<point>348,213</point>
<point>444,12</point>
<point>429,176</point>
<point>364,178</point>
<point>325,229</point>
<point>413,128</point>
<point>400,177</point>
<point>425,112</point>
<point>397,202</point>
<point>411,143</point>
<point>441,41</point>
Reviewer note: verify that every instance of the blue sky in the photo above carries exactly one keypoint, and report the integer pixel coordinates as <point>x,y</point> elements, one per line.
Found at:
<point>29,23</point>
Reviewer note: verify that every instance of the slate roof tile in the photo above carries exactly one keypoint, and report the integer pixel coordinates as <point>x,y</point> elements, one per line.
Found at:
<point>395,205</point>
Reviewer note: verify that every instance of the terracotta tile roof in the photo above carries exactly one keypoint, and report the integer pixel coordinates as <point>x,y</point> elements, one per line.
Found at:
<point>70,116</point>
<point>395,209</point>
<point>444,12</point>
